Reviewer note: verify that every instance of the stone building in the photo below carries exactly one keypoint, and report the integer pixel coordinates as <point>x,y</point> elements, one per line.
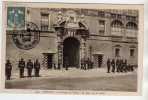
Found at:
<point>57,36</point>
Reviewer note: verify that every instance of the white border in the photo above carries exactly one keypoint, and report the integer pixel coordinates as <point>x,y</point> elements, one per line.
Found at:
<point>89,6</point>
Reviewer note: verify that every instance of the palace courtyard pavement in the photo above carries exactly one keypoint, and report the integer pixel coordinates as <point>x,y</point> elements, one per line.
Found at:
<point>76,79</point>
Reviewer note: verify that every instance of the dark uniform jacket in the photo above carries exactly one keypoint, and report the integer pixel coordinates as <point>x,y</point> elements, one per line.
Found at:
<point>29,65</point>
<point>113,63</point>
<point>37,65</point>
<point>108,63</point>
<point>21,64</point>
<point>8,66</point>
<point>117,62</point>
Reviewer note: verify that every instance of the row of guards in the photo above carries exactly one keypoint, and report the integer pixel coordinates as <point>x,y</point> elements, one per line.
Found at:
<point>85,64</point>
<point>30,66</point>
<point>119,65</point>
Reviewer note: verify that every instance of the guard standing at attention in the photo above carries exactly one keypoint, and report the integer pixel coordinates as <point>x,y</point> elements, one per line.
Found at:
<point>29,67</point>
<point>117,65</point>
<point>108,65</point>
<point>113,65</point>
<point>21,67</point>
<point>37,68</point>
<point>8,69</point>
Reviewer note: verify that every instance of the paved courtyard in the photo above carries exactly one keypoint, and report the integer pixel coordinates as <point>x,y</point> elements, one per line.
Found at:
<point>76,79</point>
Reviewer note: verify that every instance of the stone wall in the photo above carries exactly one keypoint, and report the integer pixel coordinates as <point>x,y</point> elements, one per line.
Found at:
<point>47,44</point>
<point>103,44</point>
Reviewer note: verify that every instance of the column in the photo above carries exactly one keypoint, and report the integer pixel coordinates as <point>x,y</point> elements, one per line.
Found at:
<point>60,52</point>
<point>82,51</point>
<point>60,55</point>
<point>49,26</point>
<point>124,28</point>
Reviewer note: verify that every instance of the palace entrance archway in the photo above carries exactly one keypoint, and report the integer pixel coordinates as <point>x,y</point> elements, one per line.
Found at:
<point>71,52</point>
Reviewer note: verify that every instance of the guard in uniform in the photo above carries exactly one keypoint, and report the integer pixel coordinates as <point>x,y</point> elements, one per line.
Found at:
<point>113,65</point>
<point>125,66</point>
<point>8,69</point>
<point>66,63</point>
<point>108,65</point>
<point>122,65</point>
<point>117,65</point>
<point>36,68</point>
<point>21,67</point>
<point>29,67</point>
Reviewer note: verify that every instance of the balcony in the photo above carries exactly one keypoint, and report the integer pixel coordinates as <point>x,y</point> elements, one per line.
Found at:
<point>131,33</point>
<point>115,31</point>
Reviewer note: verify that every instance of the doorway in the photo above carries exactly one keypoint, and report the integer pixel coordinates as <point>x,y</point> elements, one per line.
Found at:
<point>71,52</point>
<point>100,60</point>
<point>50,61</point>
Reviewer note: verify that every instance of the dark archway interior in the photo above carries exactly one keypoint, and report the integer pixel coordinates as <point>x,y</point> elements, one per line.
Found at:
<point>71,52</point>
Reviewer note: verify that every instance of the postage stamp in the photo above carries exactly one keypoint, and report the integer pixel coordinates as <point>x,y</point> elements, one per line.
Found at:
<point>67,48</point>
<point>16,17</point>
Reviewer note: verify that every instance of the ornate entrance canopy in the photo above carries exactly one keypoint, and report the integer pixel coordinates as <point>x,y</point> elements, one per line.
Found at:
<point>72,29</point>
<point>71,26</point>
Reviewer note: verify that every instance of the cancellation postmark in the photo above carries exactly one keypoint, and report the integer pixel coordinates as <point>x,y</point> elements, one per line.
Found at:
<point>26,39</point>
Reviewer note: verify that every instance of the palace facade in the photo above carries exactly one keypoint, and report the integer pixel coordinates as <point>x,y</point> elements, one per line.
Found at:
<point>64,35</point>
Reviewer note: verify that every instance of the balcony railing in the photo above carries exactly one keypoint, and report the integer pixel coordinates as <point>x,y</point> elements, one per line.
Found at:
<point>117,31</point>
<point>131,33</point>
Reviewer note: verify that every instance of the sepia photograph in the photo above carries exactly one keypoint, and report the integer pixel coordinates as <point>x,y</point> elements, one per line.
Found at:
<point>72,47</point>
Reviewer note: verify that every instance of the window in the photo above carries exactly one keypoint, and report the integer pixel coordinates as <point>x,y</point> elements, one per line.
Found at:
<point>119,16</point>
<point>117,52</point>
<point>132,18</point>
<point>131,29</point>
<point>132,51</point>
<point>117,23</point>
<point>117,28</point>
<point>131,25</point>
<point>101,13</point>
<point>113,15</point>
<point>101,22</point>
<point>101,32</point>
<point>44,22</point>
<point>102,27</point>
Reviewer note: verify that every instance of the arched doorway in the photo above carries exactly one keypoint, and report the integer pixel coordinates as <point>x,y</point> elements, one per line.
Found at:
<point>71,50</point>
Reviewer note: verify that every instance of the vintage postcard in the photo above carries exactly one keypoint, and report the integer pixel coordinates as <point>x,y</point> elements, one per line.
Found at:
<point>65,48</point>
